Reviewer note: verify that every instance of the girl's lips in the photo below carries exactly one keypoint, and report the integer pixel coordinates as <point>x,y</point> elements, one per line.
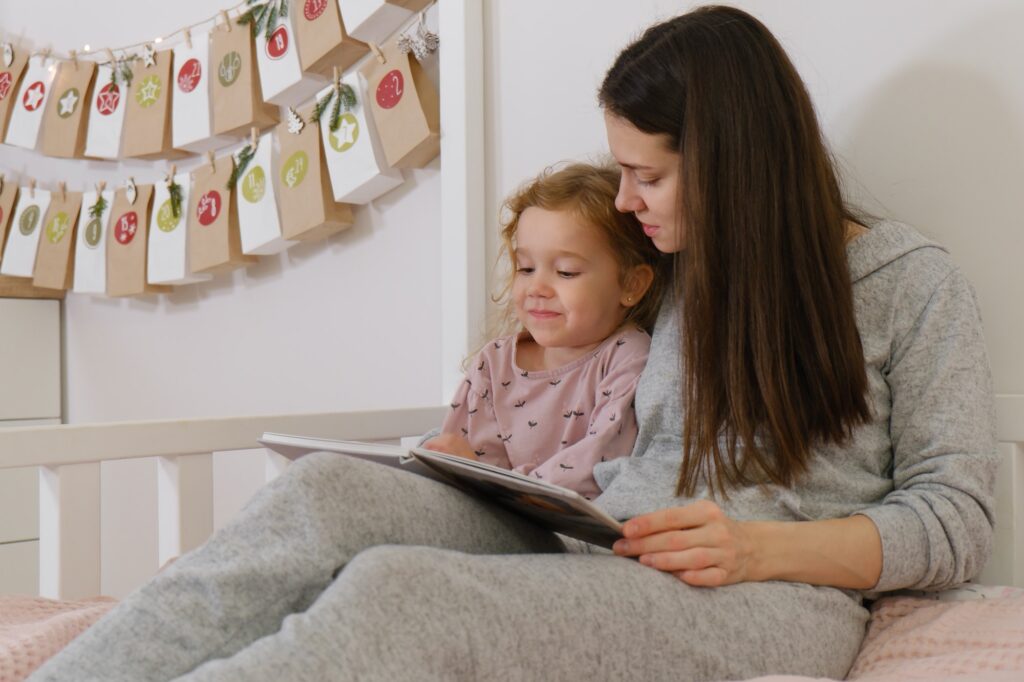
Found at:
<point>650,230</point>
<point>543,314</point>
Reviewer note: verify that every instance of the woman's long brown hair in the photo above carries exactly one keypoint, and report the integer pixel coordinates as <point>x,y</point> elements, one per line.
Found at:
<point>772,359</point>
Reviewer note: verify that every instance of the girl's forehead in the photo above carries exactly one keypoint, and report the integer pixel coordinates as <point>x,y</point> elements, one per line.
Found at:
<point>561,231</point>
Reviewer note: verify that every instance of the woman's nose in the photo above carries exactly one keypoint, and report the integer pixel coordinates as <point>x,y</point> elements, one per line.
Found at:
<point>627,201</point>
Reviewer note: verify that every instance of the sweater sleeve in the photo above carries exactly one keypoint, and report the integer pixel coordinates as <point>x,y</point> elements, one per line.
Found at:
<point>936,524</point>
<point>611,431</point>
<point>472,416</point>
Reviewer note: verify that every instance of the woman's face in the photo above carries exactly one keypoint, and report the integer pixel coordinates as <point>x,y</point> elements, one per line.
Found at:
<point>650,181</point>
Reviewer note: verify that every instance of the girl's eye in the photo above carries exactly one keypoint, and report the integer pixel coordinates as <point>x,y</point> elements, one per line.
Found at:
<point>524,271</point>
<point>567,275</point>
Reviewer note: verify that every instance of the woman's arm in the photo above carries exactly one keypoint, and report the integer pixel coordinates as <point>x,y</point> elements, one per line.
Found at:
<point>703,546</point>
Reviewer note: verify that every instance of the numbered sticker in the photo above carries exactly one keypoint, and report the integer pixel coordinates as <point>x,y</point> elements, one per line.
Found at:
<point>277,46</point>
<point>29,220</point>
<point>294,170</point>
<point>68,103</point>
<point>208,208</point>
<point>6,81</point>
<point>313,9</point>
<point>165,218</point>
<point>346,135</point>
<point>126,227</point>
<point>390,89</point>
<point>254,186</point>
<point>58,227</point>
<point>108,99</point>
<point>229,68</point>
<point>93,233</point>
<point>33,96</point>
<point>189,75</point>
<point>149,91</point>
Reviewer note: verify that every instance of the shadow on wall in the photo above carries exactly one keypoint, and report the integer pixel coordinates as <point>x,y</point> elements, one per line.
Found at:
<point>940,145</point>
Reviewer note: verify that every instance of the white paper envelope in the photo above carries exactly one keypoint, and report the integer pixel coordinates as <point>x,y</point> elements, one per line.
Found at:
<point>106,116</point>
<point>19,259</point>
<point>91,246</point>
<point>372,21</point>
<point>355,161</point>
<point>27,112</point>
<point>167,252</point>
<point>191,123</point>
<point>258,219</point>
<point>281,76</point>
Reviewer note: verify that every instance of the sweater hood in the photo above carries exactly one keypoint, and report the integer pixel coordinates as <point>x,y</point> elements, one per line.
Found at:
<point>886,242</point>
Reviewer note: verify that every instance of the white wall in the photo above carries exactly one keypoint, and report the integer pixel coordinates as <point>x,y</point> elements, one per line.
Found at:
<point>325,326</point>
<point>923,101</point>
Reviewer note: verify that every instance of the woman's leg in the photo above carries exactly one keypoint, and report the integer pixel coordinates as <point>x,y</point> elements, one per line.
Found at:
<point>275,559</point>
<point>418,613</point>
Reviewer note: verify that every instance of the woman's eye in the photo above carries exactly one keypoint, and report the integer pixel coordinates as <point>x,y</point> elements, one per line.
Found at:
<point>567,275</point>
<point>646,183</point>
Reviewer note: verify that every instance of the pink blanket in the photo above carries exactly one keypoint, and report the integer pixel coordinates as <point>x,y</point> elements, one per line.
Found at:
<point>956,637</point>
<point>32,629</point>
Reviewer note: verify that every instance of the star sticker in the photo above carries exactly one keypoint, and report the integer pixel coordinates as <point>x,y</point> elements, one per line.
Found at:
<point>149,91</point>
<point>34,95</point>
<point>108,99</point>
<point>68,103</point>
<point>149,56</point>
<point>347,131</point>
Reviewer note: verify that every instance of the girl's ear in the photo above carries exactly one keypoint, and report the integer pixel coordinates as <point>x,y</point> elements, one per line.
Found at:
<point>637,281</point>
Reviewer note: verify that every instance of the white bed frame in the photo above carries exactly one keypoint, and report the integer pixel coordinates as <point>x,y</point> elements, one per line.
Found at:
<point>70,457</point>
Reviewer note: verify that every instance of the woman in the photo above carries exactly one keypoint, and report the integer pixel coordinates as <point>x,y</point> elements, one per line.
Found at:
<point>837,437</point>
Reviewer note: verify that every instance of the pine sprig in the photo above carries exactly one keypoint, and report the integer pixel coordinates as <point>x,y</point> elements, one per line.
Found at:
<point>97,209</point>
<point>174,190</point>
<point>121,71</point>
<point>343,98</point>
<point>241,163</point>
<point>263,17</point>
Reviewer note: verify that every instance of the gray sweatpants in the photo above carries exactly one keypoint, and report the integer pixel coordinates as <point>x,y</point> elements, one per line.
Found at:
<point>345,570</point>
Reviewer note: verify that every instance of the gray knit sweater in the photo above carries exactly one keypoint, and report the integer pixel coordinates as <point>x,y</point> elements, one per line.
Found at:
<point>923,470</point>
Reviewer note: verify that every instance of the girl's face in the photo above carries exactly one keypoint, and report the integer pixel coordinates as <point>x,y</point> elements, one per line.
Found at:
<point>650,181</point>
<point>566,289</point>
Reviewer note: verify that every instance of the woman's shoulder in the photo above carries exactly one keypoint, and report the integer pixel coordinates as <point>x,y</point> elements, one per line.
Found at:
<point>892,250</point>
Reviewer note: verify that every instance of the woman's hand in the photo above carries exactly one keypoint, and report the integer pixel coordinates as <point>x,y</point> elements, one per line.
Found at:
<point>451,444</point>
<point>697,543</point>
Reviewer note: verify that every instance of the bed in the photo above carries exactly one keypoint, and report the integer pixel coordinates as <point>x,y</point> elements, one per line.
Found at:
<point>975,632</point>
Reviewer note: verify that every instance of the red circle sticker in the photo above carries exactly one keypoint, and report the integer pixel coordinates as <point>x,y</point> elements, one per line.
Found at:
<point>34,95</point>
<point>108,98</point>
<point>208,207</point>
<point>190,75</point>
<point>125,227</point>
<point>313,9</point>
<point>390,89</point>
<point>6,79</point>
<point>277,46</point>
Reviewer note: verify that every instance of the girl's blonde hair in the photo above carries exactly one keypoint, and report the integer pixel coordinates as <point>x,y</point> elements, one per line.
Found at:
<point>588,191</point>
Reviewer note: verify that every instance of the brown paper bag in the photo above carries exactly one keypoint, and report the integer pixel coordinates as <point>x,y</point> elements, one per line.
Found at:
<point>53,257</point>
<point>411,5</point>
<point>405,108</point>
<point>236,98</point>
<point>126,244</point>
<point>323,42</point>
<point>10,79</point>
<point>214,240</point>
<point>64,120</point>
<point>8,197</point>
<point>308,209</point>
<point>147,120</point>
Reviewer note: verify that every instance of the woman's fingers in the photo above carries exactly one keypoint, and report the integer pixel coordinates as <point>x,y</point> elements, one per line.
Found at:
<point>673,518</point>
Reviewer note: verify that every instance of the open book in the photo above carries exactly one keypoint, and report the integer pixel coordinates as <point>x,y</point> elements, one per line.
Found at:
<point>558,509</point>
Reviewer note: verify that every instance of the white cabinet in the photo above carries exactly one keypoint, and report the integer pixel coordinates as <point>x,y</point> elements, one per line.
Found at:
<point>30,394</point>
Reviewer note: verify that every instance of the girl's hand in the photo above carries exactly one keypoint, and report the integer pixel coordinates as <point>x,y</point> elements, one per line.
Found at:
<point>451,444</point>
<point>697,543</point>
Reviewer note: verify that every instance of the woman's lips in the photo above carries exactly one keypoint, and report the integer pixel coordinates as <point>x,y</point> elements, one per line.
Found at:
<point>650,230</point>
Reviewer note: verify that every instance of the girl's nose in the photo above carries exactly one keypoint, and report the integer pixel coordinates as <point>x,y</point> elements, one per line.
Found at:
<point>539,286</point>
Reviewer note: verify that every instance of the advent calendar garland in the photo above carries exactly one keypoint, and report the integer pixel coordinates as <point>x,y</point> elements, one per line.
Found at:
<point>340,162</point>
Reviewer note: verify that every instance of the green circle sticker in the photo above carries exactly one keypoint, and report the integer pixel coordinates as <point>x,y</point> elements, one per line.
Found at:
<point>93,233</point>
<point>58,227</point>
<point>28,221</point>
<point>294,170</point>
<point>230,67</point>
<point>165,218</point>
<point>68,102</point>
<point>148,92</point>
<point>254,186</point>
<point>347,133</point>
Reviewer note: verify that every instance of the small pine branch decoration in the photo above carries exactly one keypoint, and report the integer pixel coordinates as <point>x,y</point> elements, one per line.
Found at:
<point>121,71</point>
<point>343,98</point>
<point>264,16</point>
<point>335,119</point>
<point>241,163</point>
<point>321,107</point>
<point>174,190</point>
<point>97,209</point>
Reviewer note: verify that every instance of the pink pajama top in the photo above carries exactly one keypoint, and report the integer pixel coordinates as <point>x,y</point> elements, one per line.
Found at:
<point>553,424</point>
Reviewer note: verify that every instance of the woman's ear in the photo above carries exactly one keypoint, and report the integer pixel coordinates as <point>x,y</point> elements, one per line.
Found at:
<point>637,281</point>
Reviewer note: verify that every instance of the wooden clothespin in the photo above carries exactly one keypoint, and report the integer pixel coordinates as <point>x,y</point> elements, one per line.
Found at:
<point>62,187</point>
<point>131,191</point>
<point>100,186</point>
<point>227,20</point>
<point>188,38</point>
<point>209,158</point>
<point>74,58</point>
<point>46,55</point>
<point>2,178</point>
<point>337,77</point>
<point>254,136</point>
<point>110,55</point>
<point>32,187</point>
<point>380,55</point>
<point>170,174</point>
